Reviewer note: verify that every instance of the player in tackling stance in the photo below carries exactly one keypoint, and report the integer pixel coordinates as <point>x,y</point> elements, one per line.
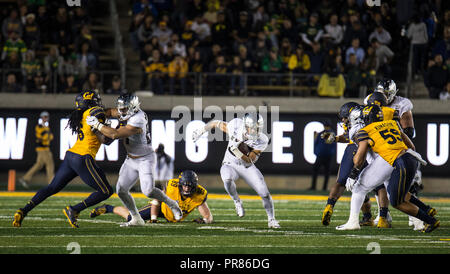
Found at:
<point>78,161</point>
<point>140,160</point>
<point>184,189</point>
<point>246,143</point>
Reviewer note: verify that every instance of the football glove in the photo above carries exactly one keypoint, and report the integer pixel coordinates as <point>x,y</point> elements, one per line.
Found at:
<point>94,123</point>
<point>196,134</point>
<point>352,178</point>
<point>329,137</point>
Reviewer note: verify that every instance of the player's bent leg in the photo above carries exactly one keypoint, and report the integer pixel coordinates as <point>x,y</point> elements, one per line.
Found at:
<point>367,219</point>
<point>229,176</point>
<point>335,193</point>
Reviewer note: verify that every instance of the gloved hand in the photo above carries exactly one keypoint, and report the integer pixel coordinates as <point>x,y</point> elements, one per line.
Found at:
<point>329,137</point>
<point>197,134</point>
<point>93,122</point>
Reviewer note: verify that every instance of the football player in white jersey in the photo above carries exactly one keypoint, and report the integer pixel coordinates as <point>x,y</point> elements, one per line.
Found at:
<point>246,143</point>
<point>404,107</point>
<point>140,160</point>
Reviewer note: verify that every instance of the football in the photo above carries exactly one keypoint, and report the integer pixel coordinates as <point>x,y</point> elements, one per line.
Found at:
<point>244,148</point>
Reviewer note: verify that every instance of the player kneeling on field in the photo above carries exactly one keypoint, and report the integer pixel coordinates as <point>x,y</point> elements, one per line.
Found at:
<point>185,190</point>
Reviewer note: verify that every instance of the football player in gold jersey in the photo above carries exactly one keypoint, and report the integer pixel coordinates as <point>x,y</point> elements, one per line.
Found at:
<point>78,161</point>
<point>185,190</point>
<point>386,139</point>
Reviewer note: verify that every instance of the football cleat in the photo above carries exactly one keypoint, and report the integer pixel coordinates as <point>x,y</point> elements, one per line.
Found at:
<point>153,221</point>
<point>98,211</point>
<point>239,209</point>
<point>366,221</point>
<point>432,211</point>
<point>428,228</point>
<point>326,215</point>
<point>349,226</point>
<point>72,216</point>
<point>389,219</point>
<point>273,224</point>
<point>383,223</point>
<point>18,218</point>
<point>23,183</point>
<point>134,222</point>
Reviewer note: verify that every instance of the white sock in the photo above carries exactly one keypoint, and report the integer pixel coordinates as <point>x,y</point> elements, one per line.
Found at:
<point>268,206</point>
<point>355,206</point>
<point>230,187</point>
<point>128,202</point>
<point>161,196</point>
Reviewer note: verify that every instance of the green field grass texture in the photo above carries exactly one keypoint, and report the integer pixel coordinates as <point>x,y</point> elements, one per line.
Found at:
<point>46,231</point>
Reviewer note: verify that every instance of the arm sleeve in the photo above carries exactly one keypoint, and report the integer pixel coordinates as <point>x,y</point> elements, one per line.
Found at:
<point>99,113</point>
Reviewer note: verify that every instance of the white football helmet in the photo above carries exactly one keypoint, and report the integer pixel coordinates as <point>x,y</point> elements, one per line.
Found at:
<point>127,106</point>
<point>389,88</point>
<point>355,117</point>
<point>253,125</point>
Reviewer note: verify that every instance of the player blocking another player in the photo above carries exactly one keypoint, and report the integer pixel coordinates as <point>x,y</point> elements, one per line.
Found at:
<point>78,161</point>
<point>246,143</point>
<point>399,167</point>
<point>184,189</point>
<point>140,161</point>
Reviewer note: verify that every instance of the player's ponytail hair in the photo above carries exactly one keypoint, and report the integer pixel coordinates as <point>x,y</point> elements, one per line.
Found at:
<point>75,120</point>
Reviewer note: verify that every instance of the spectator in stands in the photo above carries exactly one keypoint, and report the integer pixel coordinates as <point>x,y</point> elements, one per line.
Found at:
<point>354,77</point>
<point>261,50</point>
<point>442,46</point>
<point>299,61</point>
<point>12,24</point>
<point>30,66</point>
<point>43,21</point>
<point>145,31</point>
<point>210,16</point>
<point>53,63</point>
<point>86,36</point>
<point>369,67</point>
<point>196,64</point>
<point>136,22</point>
<point>196,8</point>
<point>287,30</point>
<point>142,5</point>
<point>178,47</point>
<point>202,30</point>
<point>334,30</point>
<point>220,31</point>
<point>61,21</point>
<point>70,85</point>
<point>13,63</point>
<point>384,56</point>
<point>31,33</point>
<point>178,69</point>
<point>417,32</point>
<point>237,69</point>
<point>317,58</point>
<point>38,85</point>
<point>242,32</point>
<point>217,82</point>
<point>436,77</point>
<point>163,33</point>
<point>382,35</point>
<point>445,94</point>
<point>79,19</point>
<point>86,58</point>
<point>188,36</point>
<point>272,63</point>
<point>72,66</point>
<point>11,85</point>
<point>313,31</point>
<point>92,83</point>
<point>355,30</point>
<point>355,49</point>
<point>260,18</point>
<point>14,44</point>
<point>246,59</point>
<point>285,52</point>
<point>271,31</point>
<point>116,86</point>
<point>156,70</point>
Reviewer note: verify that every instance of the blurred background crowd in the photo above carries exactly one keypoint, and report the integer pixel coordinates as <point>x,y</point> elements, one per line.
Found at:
<point>229,47</point>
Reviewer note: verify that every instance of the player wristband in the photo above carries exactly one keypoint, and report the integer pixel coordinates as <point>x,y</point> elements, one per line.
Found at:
<point>354,173</point>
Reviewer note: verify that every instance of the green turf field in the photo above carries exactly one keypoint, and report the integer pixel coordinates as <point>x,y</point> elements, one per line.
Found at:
<point>46,230</point>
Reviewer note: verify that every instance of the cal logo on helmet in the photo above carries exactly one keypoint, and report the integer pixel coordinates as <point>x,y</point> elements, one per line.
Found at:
<point>88,95</point>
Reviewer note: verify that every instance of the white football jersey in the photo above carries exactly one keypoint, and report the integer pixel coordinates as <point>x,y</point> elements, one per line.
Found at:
<point>351,134</point>
<point>139,144</point>
<point>235,129</point>
<point>401,104</point>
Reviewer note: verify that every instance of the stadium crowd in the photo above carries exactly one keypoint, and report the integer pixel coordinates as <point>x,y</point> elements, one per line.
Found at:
<point>225,39</point>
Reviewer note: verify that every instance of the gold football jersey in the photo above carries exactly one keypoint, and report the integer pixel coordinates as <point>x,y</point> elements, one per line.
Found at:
<point>384,138</point>
<point>187,205</point>
<point>389,114</point>
<point>87,141</point>
<point>43,137</point>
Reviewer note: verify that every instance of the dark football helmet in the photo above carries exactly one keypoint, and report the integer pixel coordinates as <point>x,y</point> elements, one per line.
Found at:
<point>87,99</point>
<point>188,178</point>
<point>377,98</point>
<point>372,114</point>
<point>345,109</point>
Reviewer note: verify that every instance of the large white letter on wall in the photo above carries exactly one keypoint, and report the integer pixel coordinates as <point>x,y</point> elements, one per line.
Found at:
<point>279,142</point>
<point>308,140</point>
<point>196,152</point>
<point>432,146</point>
<point>12,138</point>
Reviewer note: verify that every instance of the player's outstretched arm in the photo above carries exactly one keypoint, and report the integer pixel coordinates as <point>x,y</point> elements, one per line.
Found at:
<point>121,132</point>
<point>210,125</point>
<point>206,213</point>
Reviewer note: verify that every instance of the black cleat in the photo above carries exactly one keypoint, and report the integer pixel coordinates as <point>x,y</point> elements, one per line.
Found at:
<point>72,216</point>
<point>98,211</point>
<point>429,228</point>
<point>18,218</point>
